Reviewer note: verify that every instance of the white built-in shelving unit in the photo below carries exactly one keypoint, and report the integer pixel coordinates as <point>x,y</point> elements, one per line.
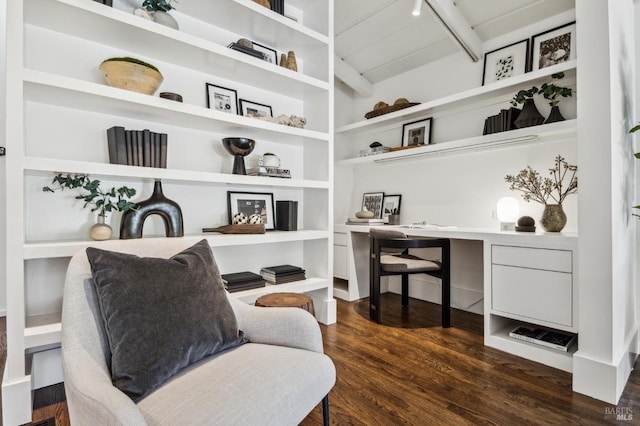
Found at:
<point>58,110</point>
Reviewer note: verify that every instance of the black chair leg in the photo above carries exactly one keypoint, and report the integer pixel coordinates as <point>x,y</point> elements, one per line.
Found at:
<point>405,289</point>
<point>325,410</point>
<point>446,286</point>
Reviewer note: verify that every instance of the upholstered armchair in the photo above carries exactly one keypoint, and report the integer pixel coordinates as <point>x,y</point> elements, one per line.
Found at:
<point>277,377</point>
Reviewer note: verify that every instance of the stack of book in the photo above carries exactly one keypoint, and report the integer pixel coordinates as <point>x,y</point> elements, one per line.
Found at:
<point>282,274</point>
<point>269,171</point>
<point>242,281</point>
<point>137,147</point>
<point>247,50</point>
<point>277,6</point>
<point>550,338</point>
<point>358,221</point>
<point>501,122</point>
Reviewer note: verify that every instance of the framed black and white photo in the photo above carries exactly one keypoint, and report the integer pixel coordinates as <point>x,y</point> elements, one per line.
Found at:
<point>222,99</point>
<point>390,205</point>
<point>553,46</point>
<point>508,61</point>
<point>270,55</point>
<point>255,109</point>
<point>416,132</point>
<point>251,203</point>
<point>372,201</point>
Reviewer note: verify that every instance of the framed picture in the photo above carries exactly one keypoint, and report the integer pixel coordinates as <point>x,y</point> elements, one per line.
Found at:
<point>255,109</point>
<point>554,46</point>
<point>416,132</point>
<point>252,203</point>
<point>270,55</point>
<point>390,205</point>
<point>372,201</point>
<point>506,62</point>
<point>222,99</point>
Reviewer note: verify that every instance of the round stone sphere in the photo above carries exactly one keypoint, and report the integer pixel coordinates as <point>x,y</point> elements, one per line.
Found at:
<point>239,219</point>
<point>364,214</point>
<point>526,221</point>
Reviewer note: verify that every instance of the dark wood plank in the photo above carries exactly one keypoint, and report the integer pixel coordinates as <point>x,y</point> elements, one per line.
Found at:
<point>409,370</point>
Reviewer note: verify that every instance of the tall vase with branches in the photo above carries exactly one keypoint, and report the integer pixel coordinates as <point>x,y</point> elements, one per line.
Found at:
<point>550,191</point>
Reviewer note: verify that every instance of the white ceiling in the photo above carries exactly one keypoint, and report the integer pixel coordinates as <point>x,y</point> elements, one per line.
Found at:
<point>380,38</point>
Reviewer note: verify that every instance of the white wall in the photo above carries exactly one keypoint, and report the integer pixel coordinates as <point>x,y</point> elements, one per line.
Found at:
<point>606,267</point>
<point>3,192</point>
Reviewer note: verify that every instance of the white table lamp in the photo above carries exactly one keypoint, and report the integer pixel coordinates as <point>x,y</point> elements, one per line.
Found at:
<point>508,211</point>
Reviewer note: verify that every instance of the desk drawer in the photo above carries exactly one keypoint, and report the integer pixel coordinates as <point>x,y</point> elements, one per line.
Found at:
<point>527,257</point>
<point>339,239</point>
<point>533,294</point>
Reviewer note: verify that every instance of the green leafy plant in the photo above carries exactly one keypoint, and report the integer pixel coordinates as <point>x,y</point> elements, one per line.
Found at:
<point>523,95</point>
<point>534,187</point>
<point>551,92</point>
<point>155,5</point>
<point>115,199</point>
<point>133,61</point>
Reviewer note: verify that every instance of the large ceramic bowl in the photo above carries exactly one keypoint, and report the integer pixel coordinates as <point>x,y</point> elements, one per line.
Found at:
<point>239,147</point>
<point>131,76</point>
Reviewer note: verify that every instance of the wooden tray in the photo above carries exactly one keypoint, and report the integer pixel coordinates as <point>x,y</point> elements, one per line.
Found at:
<point>390,108</point>
<point>238,229</point>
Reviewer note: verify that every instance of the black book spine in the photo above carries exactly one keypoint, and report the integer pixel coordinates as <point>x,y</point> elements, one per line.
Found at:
<point>129,146</point>
<point>112,143</point>
<point>146,148</point>
<point>164,140</point>
<point>140,147</point>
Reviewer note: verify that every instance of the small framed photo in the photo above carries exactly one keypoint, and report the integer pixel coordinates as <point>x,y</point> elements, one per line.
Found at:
<point>417,132</point>
<point>255,109</point>
<point>553,46</point>
<point>252,203</point>
<point>222,99</point>
<point>372,201</point>
<point>270,55</point>
<point>508,61</point>
<point>390,205</point>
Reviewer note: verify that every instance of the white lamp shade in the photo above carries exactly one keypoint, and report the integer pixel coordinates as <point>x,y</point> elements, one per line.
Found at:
<point>508,210</point>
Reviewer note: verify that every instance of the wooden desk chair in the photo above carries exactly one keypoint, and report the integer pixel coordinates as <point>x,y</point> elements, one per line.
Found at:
<point>390,256</point>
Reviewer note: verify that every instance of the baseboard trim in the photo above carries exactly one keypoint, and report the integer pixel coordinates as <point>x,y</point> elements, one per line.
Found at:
<point>602,380</point>
<point>16,400</point>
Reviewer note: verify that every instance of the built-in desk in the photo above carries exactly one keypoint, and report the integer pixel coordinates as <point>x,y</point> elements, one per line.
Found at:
<point>526,278</point>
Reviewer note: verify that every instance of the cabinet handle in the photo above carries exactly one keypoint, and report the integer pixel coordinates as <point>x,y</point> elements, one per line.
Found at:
<point>3,151</point>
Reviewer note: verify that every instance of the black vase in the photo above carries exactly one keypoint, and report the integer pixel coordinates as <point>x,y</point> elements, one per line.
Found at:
<point>529,116</point>
<point>554,115</point>
<point>170,212</point>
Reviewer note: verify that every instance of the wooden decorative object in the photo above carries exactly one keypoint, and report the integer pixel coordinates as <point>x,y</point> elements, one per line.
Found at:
<point>287,300</point>
<point>291,61</point>
<point>264,3</point>
<point>283,60</point>
<point>388,109</point>
<point>131,76</point>
<point>257,228</point>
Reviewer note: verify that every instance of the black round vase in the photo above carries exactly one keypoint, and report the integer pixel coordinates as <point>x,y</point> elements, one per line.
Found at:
<point>170,212</point>
<point>554,115</point>
<point>529,116</point>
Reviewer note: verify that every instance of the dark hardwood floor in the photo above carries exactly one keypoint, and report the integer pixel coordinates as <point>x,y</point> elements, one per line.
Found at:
<point>408,370</point>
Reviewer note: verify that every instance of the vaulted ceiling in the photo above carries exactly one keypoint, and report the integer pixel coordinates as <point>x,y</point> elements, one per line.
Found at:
<point>381,38</point>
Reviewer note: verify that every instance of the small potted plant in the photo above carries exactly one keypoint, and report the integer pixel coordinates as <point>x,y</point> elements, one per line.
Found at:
<point>131,74</point>
<point>550,191</point>
<point>104,202</point>
<point>157,11</point>
<point>551,92</point>
<point>529,116</point>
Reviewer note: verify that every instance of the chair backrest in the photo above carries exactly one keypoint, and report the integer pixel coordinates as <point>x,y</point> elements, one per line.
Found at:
<point>388,234</point>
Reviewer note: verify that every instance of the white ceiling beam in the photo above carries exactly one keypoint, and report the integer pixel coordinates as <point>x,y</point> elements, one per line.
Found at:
<point>352,78</point>
<point>457,26</point>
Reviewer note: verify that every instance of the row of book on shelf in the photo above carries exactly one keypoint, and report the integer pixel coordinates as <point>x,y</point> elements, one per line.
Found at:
<point>137,147</point>
<point>501,122</point>
<point>247,280</point>
<point>554,339</point>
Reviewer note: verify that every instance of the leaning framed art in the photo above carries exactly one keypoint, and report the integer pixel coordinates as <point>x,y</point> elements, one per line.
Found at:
<point>251,203</point>
<point>372,201</point>
<point>508,61</point>
<point>417,132</point>
<point>553,46</point>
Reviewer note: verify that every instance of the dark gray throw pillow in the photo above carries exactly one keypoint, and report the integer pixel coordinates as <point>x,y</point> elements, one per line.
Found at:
<point>161,315</point>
